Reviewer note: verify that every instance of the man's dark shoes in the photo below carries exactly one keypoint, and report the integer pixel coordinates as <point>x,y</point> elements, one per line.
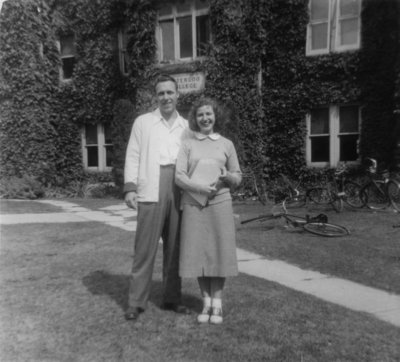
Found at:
<point>177,308</point>
<point>132,313</point>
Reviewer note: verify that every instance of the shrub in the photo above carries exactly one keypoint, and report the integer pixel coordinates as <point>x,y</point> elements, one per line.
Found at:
<point>25,187</point>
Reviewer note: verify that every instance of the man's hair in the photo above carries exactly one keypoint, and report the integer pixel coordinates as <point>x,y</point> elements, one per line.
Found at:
<point>165,78</point>
<point>220,114</point>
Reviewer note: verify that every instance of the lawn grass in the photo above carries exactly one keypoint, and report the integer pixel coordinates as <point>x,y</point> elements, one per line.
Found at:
<point>64,292</point>
<point>370,255</point>
<point>25,206</point>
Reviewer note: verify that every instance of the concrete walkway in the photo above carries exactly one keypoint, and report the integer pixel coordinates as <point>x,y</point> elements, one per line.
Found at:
<point>382,305</point>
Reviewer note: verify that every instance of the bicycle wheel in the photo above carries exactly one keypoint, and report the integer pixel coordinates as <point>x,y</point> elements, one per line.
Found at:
<point>352,194</point>
<point>374,195</point>
<point>325,229</point>
<point>319,195</point>
<point>393,189</point>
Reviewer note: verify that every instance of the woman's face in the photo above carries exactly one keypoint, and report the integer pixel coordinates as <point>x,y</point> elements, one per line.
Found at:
<point>205,119</point>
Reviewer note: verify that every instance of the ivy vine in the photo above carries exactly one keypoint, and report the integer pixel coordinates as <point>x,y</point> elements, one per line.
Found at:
<point>41,117</point>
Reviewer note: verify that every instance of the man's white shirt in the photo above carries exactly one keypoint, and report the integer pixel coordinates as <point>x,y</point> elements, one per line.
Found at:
<point>152,143</point>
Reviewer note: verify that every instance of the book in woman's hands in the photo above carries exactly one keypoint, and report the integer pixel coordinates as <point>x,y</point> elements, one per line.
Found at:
<point>206,172</point>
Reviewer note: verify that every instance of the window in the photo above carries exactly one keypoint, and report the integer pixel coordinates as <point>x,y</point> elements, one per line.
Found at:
<point>123,55</point>
<point>183,30</point>
<point>332,135</point>
<point>67,52</point>
<point>97,147</point>
<point>334,26</point>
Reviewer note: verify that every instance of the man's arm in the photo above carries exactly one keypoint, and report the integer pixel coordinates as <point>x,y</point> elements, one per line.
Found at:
<point>132,165</point>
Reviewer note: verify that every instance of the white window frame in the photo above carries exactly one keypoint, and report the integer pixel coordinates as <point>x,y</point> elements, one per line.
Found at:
<point>339,18</point>
<point>61,70</point>
<point>334,136</point>
<point>194,13</point>
<point>333,33</point>
<point>122,51</point>
<point>101,150</point>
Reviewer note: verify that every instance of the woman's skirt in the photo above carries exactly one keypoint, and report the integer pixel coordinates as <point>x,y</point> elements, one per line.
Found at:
<point>208,241</point>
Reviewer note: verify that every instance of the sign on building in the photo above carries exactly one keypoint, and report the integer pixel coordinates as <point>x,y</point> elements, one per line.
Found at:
<point>190,82</point>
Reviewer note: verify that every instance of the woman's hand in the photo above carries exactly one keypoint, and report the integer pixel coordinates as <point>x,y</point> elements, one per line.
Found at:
<point>222,180</point>
<point>207,189</point>
<point>224,172</point>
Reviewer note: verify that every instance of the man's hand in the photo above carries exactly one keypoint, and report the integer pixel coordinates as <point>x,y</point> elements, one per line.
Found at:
<point>131,199</point>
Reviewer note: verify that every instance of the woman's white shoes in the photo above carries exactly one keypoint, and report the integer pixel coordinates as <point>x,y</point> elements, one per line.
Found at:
<point>204,316</point>
<point>216,316</point>
<point>209,314</point>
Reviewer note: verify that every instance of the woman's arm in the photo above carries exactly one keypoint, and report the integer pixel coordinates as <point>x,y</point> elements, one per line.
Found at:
<point>182,178</point>
<point>233,175</point>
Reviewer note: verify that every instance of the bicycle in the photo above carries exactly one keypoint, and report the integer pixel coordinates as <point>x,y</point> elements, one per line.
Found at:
<point>338,190</point>
<point>291,192</point>
<point>381,190</point>
<point>250,189</point>
<point>295,193</point>
<point>317,225</point>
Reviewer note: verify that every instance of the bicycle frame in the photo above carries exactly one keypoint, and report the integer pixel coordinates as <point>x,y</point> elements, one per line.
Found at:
<point>341,190</point>
<point>298,193</point>
<point>316,225</point>
<point>375,192</point>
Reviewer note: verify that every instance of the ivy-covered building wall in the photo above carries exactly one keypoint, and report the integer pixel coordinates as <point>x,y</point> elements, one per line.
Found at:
<point>255,63</point>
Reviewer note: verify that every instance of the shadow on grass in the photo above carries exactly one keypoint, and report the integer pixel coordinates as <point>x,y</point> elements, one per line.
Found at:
<point>101,282</point>
<point>116,287</point>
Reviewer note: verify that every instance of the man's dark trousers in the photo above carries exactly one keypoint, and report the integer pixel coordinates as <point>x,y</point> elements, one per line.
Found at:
<point>155,220</point>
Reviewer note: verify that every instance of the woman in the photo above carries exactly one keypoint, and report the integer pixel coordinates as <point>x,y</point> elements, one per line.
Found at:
<point>207,168</point>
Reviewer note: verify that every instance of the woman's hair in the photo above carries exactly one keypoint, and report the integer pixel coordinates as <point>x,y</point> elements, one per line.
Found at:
<point>220,116</point>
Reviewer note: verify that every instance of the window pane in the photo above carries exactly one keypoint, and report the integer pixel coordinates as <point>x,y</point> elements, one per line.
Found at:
<point>201,4</point>
<point>348,31</point>
<point>319,10</point>
<point>93,157</point>
<point>348,147</point>
<point>185,34</point>
<point>166,9</point>
<point>203,34</point>
<point>167,35</point>
<point>109,155</point>
<point>91,134</point>
<point>348,119</point>
<point>320,149</point>
<point>319,36</point>
<point>349,7</point>
<point>320,121</point>
<point>67,45</point>
<point>107,133</point>
<point>182,7</point>
<point>68,67</point>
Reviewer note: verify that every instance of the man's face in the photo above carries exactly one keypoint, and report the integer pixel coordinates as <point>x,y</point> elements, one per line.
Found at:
<point>167,97</point>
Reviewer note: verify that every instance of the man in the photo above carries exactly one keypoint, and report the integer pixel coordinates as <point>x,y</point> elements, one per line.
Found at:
<point>150,188</point>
